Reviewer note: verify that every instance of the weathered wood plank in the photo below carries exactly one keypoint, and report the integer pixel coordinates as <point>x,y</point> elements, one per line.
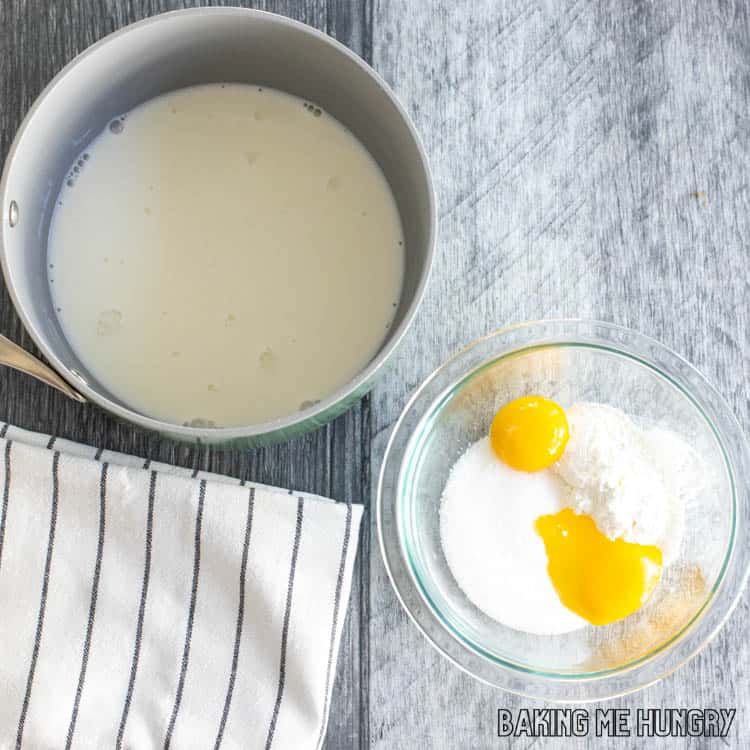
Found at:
<point>566,140</point>
<point>37,37</point>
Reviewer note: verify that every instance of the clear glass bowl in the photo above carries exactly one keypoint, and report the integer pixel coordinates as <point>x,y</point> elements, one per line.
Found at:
<point>569,361</point>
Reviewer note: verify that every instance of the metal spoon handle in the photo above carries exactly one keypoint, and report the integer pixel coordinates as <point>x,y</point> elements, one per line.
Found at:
<point>11,355</point>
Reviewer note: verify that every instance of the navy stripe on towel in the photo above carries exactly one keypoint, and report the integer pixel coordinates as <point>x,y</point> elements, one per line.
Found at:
<point>285,628</point>
<point>334,623</point>
<point>240,618</point>
<point>141,612</point>
<point>6,495</point>
<point>191,615</point>
<point>92,605</point>
<point>43,601</point>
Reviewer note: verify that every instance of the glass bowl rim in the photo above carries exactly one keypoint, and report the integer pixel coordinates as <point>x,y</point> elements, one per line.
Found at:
<point>679,648</point>
<point>415,445</point>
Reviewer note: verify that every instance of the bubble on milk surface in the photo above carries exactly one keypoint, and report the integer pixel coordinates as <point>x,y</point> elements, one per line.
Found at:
<point>117,126</point>
<point>75,172</point>
<point>266,358</point>
<point>108,322</point>
<point>312,109</point>
<point>200,422</point>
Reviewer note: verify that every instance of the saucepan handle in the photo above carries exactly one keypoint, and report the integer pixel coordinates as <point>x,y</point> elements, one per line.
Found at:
<point>11,355</point>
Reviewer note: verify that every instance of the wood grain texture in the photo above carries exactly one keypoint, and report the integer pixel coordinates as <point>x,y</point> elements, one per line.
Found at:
<point>37,37</point>
<point>568,140</point>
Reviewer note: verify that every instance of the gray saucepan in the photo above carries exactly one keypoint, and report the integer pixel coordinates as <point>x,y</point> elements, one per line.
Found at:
<point>169,52</point>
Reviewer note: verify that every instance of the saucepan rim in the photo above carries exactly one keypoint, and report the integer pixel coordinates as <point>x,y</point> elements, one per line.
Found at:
<point>283,427</point>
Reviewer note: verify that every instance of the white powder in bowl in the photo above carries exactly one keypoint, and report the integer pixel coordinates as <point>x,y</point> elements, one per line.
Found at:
<point>633,482</point>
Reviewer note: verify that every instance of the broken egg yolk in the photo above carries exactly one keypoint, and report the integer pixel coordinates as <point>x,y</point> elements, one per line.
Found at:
<point>600,579</point>
<point>529,433</point>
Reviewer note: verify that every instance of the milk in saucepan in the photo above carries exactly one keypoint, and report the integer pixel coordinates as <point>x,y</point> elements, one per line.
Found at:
<point>226,254</point>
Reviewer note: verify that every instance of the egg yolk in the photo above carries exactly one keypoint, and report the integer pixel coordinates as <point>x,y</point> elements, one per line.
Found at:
<point>529,433</point>
<point>600,579</point>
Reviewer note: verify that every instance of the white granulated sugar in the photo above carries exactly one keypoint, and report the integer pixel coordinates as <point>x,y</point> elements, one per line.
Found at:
<point>633,482</point>
<point>487,532</point>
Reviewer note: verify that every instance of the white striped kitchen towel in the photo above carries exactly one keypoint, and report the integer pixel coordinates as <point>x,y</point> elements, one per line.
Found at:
<point>142,606</point>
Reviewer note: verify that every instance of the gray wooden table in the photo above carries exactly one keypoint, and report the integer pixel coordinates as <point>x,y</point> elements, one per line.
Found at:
<point>591,159</point>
